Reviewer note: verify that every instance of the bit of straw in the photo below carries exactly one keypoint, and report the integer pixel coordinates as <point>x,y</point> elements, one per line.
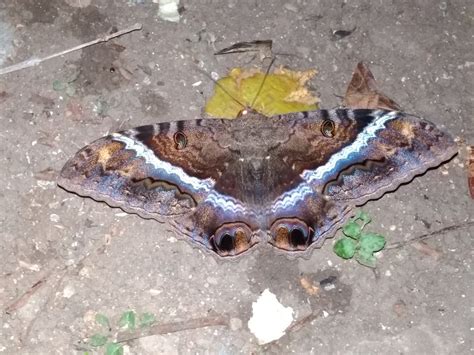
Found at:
<point>35,61</point>
<point>263,83</point>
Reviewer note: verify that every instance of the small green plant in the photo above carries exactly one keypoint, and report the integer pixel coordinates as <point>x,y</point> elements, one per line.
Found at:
<point>127,321</point>
<point>357,243</point>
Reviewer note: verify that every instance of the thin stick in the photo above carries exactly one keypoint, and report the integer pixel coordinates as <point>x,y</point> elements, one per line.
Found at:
<point>23,299</point>
<point>429,235</point>
<point>263,83</point>
<point>202,71</point>
<point>303,321</point>
<point>35,61</point>
<point>173,327</point>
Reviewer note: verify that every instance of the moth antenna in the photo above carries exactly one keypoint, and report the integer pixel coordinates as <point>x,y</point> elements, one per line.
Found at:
<point>220,86</point>
<point>410,114</point>
<point>263,82</point>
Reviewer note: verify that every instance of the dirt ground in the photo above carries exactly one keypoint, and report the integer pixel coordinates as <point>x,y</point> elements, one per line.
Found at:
<point>64,258</point>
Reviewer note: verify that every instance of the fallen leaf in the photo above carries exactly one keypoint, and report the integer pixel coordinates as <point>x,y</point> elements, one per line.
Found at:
<point>362,92</point>
<point>283,91</point>
<point>309,286</point>
<point>262,47</point>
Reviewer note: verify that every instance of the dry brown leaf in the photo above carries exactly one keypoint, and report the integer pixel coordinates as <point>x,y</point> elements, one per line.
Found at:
<point>309,286</point>
<point>362,92</point>
<point>262,47</point>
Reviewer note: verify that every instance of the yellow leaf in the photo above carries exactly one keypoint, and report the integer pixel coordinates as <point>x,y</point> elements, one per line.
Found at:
<point>283,91</point>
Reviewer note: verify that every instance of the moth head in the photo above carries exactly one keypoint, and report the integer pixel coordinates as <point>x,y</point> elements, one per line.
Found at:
<point>246,112</point>
<point>232,239</point>
<point>243,112</point>
<point>290,234</point>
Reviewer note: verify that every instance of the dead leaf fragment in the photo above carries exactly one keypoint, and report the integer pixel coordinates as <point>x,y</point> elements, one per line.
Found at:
<point>362,92</point>
<point>263,48</point>
<point>309,286</point>
<point>340,34</point>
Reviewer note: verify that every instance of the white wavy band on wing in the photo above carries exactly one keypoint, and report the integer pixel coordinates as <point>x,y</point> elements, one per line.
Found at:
<point>141,150</point>
<point>290,198</point>
<point>360,142</point>
<point>225,203</point>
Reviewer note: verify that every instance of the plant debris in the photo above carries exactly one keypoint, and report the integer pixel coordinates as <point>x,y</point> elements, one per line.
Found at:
<point>362,92</point>
<point>340,34</point>
<point>283,91</point>
<point>262,47</point>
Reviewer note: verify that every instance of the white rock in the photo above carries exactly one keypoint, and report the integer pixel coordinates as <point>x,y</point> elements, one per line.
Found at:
<point>235,324</point>
<point>68,291</point>
<point>169,10</point>
<point>269,319</point>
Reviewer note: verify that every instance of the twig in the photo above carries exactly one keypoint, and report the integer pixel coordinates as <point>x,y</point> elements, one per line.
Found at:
<point>35,61</point>
<point>23,299</point>
<point>25,335</point>
<point>173,327</point>
<point>429,235</point>
<point>303,321</point>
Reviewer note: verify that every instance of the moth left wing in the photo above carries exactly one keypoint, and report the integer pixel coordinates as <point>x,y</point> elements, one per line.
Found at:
<point>167,170</point>
<point>149,170</point>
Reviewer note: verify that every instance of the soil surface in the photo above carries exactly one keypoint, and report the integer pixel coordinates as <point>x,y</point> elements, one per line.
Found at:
<point>64,259</point>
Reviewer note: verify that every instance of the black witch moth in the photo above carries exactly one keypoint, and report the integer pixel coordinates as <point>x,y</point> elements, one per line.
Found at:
<point>287,181</point>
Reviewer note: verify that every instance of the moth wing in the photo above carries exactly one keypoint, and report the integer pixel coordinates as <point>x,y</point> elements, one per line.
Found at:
<point>391,151</point>
<point>359,155</point>
<point>156,171</point>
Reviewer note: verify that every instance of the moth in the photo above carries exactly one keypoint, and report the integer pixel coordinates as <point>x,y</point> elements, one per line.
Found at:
<point>230,186</point>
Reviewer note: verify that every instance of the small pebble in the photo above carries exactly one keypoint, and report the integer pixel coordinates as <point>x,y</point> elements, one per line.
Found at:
<point>290,7</point>
<point>68,291</point>
<point>235,324</point>
<point>212,280</point>
<point>54,218</point>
